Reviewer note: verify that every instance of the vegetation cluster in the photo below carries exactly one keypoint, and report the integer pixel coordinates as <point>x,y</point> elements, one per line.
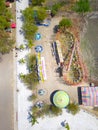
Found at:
<point>6,43</point>
<point>30,79</point>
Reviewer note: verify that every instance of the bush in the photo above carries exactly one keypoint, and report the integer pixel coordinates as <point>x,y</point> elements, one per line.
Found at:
<point>22,47</point>
<point>55,110</point>
<point>30,44</point>
<point>49,110</point>
<point>55,8</point>
<point>31,80</point>
<point>31,63</point>
<point>32,97</point>
<point>73,108</point>
<point>65,23</point>
<point>22,61</point>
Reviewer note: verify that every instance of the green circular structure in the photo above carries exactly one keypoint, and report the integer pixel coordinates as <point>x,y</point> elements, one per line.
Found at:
<point>61,99</point>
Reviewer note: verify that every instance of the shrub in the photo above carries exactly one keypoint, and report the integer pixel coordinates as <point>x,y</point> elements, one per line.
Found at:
<point>22,61</point>
<point>32,97</point>
<point>47,109</point>
<point>65,23</point>
<point>22,47</point>
<point>55,9</point>
<point>73,108</point>
<point>55,110</point>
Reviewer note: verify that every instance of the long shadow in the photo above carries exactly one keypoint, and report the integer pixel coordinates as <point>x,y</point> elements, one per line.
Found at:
<point>51,96</point>
<point>79,96</point>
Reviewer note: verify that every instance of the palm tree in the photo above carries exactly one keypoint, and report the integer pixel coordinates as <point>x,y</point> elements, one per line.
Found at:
<point>73,108</point>
<point>32,119</point>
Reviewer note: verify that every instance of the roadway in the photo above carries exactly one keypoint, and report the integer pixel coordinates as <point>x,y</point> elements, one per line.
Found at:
<point>6,92</point>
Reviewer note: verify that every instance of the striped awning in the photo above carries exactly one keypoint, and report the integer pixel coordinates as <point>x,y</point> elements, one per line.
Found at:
<point>89,96</point>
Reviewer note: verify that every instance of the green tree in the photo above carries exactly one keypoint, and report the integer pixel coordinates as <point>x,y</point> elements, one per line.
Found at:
<point>37,2</point>
<point>29,29</point>
<point>55,8</point>
<point>3,23</point>
<point>5,15</point>
<point>73,108</point>
<point>31,63</point>
<point>29,26</point>
<point>28,15</point>
<point>40,14</point>
<point>64,24</point>
<point>6,44</point>
<point>30,79</point>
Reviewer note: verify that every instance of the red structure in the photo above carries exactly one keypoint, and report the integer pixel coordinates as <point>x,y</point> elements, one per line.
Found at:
<point>13,25</point>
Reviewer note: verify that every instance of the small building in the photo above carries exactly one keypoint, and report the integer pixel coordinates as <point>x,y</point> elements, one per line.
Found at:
<point>88,96</point>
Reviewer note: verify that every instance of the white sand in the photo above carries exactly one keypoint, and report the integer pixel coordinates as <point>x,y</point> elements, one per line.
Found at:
<point>81,121</point>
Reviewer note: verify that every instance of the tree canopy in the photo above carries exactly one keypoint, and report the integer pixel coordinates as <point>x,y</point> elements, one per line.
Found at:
<point>65,23</point>
<point>5,15</point>
<point>28,15</point>
<point>39,13</point>
<point>32,15</point>
<point>55,8</point>
<point>6,44</point>
<point>30,30</point>
<point>31,79</point>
